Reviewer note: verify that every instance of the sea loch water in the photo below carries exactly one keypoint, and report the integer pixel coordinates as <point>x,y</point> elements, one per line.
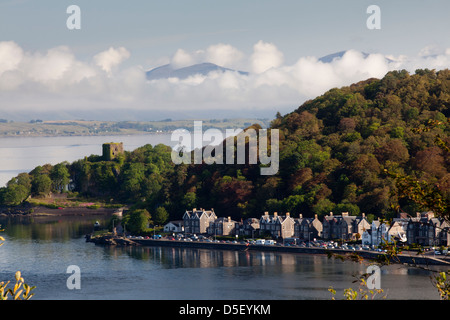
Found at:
<point>43,249</point>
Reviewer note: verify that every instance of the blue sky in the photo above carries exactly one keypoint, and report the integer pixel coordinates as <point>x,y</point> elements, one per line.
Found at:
<point>146,34</point>
<point>151,29</point>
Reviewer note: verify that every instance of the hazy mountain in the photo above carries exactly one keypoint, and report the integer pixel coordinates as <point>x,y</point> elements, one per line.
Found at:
<point>338,55</point>
<point>167,71</point>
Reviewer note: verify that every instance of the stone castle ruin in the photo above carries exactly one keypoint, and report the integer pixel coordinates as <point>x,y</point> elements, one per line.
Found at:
<point>112,150</point>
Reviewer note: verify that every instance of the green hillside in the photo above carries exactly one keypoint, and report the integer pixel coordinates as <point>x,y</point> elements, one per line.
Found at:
<point>334,150</point>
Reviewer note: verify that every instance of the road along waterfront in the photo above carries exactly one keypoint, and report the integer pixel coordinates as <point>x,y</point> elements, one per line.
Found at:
<point>400,258</point>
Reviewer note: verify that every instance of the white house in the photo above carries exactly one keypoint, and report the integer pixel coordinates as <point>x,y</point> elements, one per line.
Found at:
<point>174,226</point>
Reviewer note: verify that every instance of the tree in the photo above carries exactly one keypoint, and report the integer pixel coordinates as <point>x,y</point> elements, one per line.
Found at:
<point>41,185</point>
<point>161,215</point>
<point>14,194</point>
<point>189,200</point>
<point>60,177</point>
<point>138,220</point>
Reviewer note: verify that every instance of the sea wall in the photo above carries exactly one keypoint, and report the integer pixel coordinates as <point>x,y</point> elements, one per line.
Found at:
<point>401,258</point>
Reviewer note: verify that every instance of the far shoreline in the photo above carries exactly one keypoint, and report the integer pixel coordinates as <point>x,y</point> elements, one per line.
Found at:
<point>42,211</point>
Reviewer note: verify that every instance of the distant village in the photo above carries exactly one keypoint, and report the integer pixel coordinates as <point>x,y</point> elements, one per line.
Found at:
<point>423,229</point>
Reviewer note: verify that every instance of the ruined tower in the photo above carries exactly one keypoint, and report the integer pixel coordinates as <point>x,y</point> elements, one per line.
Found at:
<point>112,150</point>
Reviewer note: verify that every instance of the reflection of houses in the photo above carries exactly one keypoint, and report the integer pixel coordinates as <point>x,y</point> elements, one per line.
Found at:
<point>222,227</point>
<point>197,221</point>
<point>308,228</point>
<point>344,227</point>
<point>425,229</point>
<point>174,226</point>
<point>248,228</point>
<point>277,226</point>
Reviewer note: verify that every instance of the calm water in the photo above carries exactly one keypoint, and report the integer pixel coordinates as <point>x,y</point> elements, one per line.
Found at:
<point>24,154</point>
<point>43,248</point>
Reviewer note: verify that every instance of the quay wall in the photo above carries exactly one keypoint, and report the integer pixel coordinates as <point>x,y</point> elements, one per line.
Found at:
<point>409,259</point>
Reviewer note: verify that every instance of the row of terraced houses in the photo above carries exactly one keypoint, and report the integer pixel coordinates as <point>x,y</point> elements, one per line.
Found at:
<point>423,229</point>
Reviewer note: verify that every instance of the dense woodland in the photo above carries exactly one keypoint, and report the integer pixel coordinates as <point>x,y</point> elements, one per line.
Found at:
<point>334,153</point>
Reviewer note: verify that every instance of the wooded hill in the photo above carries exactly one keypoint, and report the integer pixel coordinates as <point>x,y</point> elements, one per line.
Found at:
<point>333,152</point>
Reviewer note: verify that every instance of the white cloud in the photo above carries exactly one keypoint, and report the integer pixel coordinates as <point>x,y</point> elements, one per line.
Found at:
<point>57,80</point>
<point>10,56</point>
<point>182,59</point>
<point>224,55</point>
<point>265,56</point>
<point>111,58</point>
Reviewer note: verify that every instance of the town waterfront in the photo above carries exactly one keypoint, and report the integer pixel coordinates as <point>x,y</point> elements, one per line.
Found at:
<point>42,248</point>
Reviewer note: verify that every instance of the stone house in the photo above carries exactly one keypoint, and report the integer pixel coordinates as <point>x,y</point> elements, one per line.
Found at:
<point>198,221</point>
<point>308,228</point>
<point>248,228</point>
<point>344,227</point>
<point>222,227</point>
<point>277,226</point>
<point>427,230</point>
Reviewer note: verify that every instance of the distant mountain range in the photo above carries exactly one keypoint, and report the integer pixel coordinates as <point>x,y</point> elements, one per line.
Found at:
<point>329,58</point>
<point>338,55</point>
<point>167,71</point>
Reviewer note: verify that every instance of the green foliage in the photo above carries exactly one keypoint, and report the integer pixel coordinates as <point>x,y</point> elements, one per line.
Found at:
<point>41,185</point>
<point>137,221</point>
<point>161,216</point>
<point>60,177</point>
<point>442,283</point>
<point>362,293</point>
<point>334,151</point>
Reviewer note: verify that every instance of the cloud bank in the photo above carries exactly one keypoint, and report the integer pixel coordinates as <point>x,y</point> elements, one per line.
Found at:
<point>57,81</point>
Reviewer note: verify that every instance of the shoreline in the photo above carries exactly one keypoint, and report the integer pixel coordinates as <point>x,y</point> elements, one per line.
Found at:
<point>42,211</point>
<point>369,255</point>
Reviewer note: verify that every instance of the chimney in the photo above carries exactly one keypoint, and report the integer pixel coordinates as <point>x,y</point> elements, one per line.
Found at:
<point>345,214</point>
<point>288,214</point>
<point>363,215</point>
<point>300,216</point>
<point>275,214</point>
<point>229,219</point>
<point>315,216</point>
<point>418,214</point>
<point>331,213</point>
<point>266,213</point>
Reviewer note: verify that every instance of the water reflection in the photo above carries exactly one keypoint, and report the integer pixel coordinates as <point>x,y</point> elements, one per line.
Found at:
<point>43,247</point>
<point>49,228</point>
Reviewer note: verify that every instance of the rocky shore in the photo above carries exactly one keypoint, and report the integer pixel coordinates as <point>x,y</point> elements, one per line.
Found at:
<point>110,240</point>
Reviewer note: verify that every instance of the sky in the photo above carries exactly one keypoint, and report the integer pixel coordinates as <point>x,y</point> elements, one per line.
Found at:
<point>98,71</point>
